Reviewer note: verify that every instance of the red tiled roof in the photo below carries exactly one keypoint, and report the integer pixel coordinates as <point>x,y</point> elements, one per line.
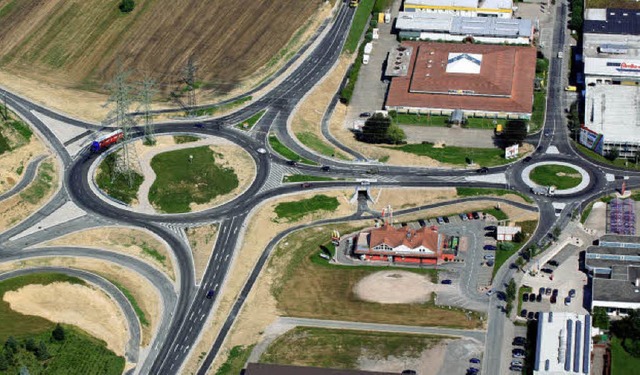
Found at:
<point>411,238</point>
<point>504,84</point>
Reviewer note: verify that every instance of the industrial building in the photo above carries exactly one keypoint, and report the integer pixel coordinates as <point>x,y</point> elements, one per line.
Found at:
<point>468,8</point>
<point>611,56</point>
<point>447,27</point>
<point>481,80</point>
<point>563,344</point>
<point>614,266</point>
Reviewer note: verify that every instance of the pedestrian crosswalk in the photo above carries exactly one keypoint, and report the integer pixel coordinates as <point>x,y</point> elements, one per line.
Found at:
<point>178,230</point>
<point>276,174</point>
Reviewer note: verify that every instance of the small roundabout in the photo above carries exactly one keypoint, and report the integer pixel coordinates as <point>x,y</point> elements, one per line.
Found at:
<point>567,178</point>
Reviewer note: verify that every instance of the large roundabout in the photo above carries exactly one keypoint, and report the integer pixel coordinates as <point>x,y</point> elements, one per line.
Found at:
<point>567,178</point>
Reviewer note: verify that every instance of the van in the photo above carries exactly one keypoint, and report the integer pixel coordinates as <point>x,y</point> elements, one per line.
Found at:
<point>560,54</point>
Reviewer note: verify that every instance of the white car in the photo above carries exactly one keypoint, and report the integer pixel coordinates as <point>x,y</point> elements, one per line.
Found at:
<point>490,292</point>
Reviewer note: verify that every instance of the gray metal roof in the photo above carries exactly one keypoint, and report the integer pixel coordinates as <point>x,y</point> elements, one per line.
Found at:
<point>620,238</point>
<point>456,25</point>
<point>616,290</point>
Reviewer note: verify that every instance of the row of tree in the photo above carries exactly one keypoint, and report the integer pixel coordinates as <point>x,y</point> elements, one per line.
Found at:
<point>11,348</point>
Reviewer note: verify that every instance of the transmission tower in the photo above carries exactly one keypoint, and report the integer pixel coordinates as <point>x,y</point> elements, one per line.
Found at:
<point>145,97</point>
<point>189,78</point>
<point>120,96</point>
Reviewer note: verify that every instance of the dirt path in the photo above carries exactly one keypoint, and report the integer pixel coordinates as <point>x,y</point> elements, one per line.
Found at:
<point>84,306</point>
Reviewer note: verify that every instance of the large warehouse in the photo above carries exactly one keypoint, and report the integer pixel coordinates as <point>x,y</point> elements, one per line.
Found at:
<point>481,80</point>
<point>468,8</point>
<point>563,345</point>
<point>612,77</point>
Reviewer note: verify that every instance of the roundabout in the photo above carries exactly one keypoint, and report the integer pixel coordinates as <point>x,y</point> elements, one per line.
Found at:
<point>566,177</point>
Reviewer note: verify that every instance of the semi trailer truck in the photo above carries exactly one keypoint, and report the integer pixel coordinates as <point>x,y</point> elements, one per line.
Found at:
<point>106,140</point>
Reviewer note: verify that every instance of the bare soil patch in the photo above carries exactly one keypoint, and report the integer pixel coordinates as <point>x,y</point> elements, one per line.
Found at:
<point>202,240</point>
<point>383,287</point>
<point>428,363</point>
<point>401,198</point>
<point>139,243</point>
<point>514,213</point>
<point>146,295</point>
<point>86,307</point>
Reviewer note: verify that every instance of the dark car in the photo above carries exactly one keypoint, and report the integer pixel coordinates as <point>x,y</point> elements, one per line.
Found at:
<point>476,215</point>
<point>525,297</point>
<point>501,296</point>
<point>539,298</point>
<point>547,133</point>
<point>517,342</point>
<point>547,291</point>
<point>326,168</point>
<point>483,170</point>
<point>553,299</point>
<point>532,297</point>
<point>409,372</point>
<point>365,114</point>
<point>517,352</point>
<point>489,247</point>
<point>515,368</point>
<point>572,293</point>
<point>463,217</point>
<point>554,293</point>
<point>530,315</point>
<point>446,282</point>
<point>489,263</point>
<point>490,227</point>
<point>474,360</point>
<point>446,219</point>
<point>200,125</point>
<point>546,270</point>
<point>553,263</point>
<point>490,234</point>
<point>210,294</point>
<point>527,159</point>
<point>403,224</point>
<point>292,162</point>
<point>422,223</point>
<point>472,371</point>
<point>541,290</point>
<point>523,313</point>
<point>305,185</point>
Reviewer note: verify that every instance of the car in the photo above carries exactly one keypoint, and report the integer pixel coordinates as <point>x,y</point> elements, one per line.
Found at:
<point>403,224</point>
<point>326,168</point>
<point>409,372</point>
<point>469,216</point>
<point>567,301</point>
<point>490,292</point>
<point>472,371</point>
<point>515,368</point>
<point>292,162</point>
<point>520,339</point>
<point>305,185</point>
<point>446,282</point>
<point>365,114</point>
<point>210,294</point>
<point>517,342</point>
<point>532,297</point>
<point>489,257</point>
<point>516,362</point>
<point>489,247</point>
<point>539,298</point>
<point>547,292</point>
<point>476,215</point>
<point>572,293</point>
<point>422,223</point>
<point>474,360</point>
<point>547,133</point>
<point>554,293</point>
<point>490,227</point>
<point>199,125</point>
<point>553,263</point>
<point>261,150</point>
<point>446,219</point>
<point>527,159</point>
<point>490,234</point>
<point>518,353</point>
<point>541,290</point>
<point>365,182</point>
<point>546,270</point>
<point>440,220</point>
<point>463,217</point>
<point>501,296</point>
<point>490,263</point>
<point>483,170</point>
<point>523,313</point>
<point>553,299</point>
<point>530,315</point>
<point>525,297</point>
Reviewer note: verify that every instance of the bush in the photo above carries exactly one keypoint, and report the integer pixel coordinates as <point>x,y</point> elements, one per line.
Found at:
<point>612,154</point>
<point>126,6</point>
<point>58,333</point>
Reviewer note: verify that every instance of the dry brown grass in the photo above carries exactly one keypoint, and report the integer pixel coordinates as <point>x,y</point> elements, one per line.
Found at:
<point>202,240</point>
<point>11,161</point>
<point>135,242</point>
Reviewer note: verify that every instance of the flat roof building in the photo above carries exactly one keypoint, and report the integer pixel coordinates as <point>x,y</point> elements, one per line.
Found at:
<point>448,27</point>
<point>469,8</point>
<point>479,79</point>
<point>563,345</point>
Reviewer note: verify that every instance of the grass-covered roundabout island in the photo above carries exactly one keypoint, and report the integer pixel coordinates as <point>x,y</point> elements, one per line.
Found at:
<point>178,174</point>
<point>560,176</point>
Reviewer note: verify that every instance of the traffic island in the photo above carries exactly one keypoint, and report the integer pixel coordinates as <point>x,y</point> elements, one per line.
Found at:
<point>555,178</point>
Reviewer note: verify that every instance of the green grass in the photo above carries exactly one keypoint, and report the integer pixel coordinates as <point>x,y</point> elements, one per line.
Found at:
<point>342,349</point>
<point>295,210</point>
<point>504,253</point>
<point>472,192</point>
<point>438,120</point>
<point>42,184</point>
<point>560,176</point>
<point>234,364</point>
<point>15,324</point>
<point>251,121</point>
<point>7,8</point>
<point>498,214</point>
<point>222,108</point>
<point>619,162</point>
<point>457,155</point>
<point>180,182</point>
<point>117,187</point>
<point>152,252</point>
<point>537,113</point>
<point>134,303</point>
<point>20,169</point>
<point>285,152</point>
<point>305,178</point>
<point>587,211</point>
<point>360,22</point>
<point>313,142</point>
<point>179,139</point>
<point>78,354</point>
<point>4,144</point>
<point>521,291</point>
<point>622,363</point>
<point>23,129</point>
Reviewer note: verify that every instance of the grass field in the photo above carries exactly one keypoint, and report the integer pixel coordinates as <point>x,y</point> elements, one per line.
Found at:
<point>13,132</point>
<point>234,364</point>
<point>622,4</point>
<point>502,254</point>
<point>537,113</point>
<point>285,152</point>
<point>180,182</point>
<point>295,210</point>
<point>42,184</point>
<point>304,178</point>
<point>562,177</point>
<point>456,155</point>
<point>622,363</point>
<point>473,192</point>
<point>358,25</point>
<point>83,43</point>
<point>117,187</point>
<point>619,162</point>
<point>429,120</point>
<point>341,349</point>
<point>16,324</point>
<point>307,286</point>
<point>313,142</point>
<point>585,213</point>
<point>251,121</point>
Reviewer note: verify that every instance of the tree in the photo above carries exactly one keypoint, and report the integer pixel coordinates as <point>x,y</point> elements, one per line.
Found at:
<point>612,154</point>
<point>11,345</point>
<point>511,290</point>
<point>375,129</point>
<point>515,131</point>
<point>42,352</point>
<point>518,237</point>
<point>556,232</point>
<point>58,333</point>
<point>600,318</point>
<point>396,134</point>
<point>126,6</point>
<point>4,362</point>
<point>30,345</point>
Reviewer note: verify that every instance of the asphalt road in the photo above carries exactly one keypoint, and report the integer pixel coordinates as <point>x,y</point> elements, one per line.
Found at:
<point>28,174</point>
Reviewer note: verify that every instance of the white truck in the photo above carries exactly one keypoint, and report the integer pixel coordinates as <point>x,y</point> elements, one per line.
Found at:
<point>544,190</point>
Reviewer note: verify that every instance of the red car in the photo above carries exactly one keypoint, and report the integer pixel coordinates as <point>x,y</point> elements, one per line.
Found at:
<point>470,215</point>
<point>305,185</point>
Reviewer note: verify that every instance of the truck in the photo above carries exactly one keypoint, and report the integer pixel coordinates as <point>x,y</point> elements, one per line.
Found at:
<point>498,129</point>
<point>106,140</point>
<point>368,48</point>
<point>544,190</point>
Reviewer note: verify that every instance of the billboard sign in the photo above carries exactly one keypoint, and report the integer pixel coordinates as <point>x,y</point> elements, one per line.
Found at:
<point>511,152</point>
<point>592,140</point>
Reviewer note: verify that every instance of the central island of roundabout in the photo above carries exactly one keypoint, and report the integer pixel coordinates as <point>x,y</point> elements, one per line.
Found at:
<point>177,174</point>
<point>566,178</point>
